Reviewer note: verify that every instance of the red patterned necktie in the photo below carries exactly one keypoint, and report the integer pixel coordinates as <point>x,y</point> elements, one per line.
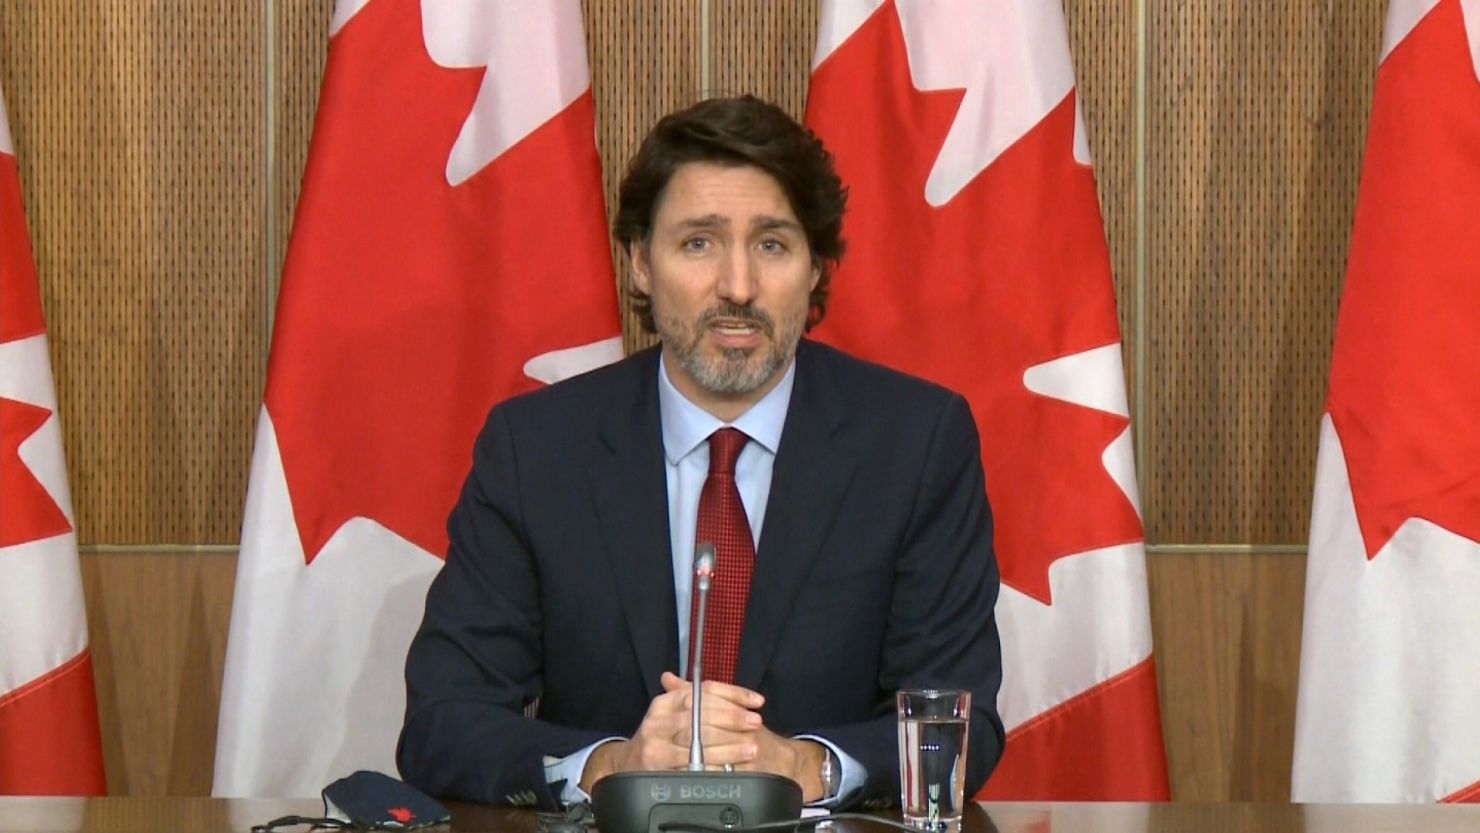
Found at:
<point>722,522</point>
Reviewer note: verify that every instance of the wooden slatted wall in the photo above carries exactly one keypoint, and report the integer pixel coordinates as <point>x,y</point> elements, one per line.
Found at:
<point>162,146</point>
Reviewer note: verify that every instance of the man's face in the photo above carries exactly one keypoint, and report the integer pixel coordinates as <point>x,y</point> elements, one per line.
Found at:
<point>729,273</point>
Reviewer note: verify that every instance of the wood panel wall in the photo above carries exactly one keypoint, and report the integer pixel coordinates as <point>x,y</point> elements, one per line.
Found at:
<point>1255,117</point>
<point>162,146</point>
<point>140,137</point>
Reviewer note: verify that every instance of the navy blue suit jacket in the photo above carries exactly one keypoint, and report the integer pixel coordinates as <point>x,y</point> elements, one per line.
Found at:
<point>875,572</point>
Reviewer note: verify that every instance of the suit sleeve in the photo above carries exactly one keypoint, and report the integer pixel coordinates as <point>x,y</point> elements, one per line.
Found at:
<point>475,663</point>
<point>942,627</point>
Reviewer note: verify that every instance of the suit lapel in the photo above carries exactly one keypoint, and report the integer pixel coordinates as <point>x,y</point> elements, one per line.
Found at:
<point>631,496</point>
<point>811,473</point>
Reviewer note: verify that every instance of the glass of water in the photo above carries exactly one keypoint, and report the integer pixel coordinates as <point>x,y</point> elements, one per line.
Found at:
<point>932,757</point>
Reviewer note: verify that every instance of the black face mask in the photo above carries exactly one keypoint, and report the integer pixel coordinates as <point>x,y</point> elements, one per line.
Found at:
<point>369,801</point>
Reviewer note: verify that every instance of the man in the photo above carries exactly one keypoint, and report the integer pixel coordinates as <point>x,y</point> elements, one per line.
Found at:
<point>853,494</point>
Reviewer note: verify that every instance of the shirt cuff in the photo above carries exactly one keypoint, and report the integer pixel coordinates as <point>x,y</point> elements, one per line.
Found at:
<point>570,769</point>
<point>851,774</point>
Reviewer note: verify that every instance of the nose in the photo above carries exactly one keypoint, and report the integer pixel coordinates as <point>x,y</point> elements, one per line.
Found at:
<point>739,278</point>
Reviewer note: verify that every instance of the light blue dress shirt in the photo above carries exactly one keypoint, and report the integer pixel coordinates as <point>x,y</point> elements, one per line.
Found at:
<point>686,430</point>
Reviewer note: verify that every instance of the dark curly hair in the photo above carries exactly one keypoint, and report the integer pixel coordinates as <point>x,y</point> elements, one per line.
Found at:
<point>738,131</point>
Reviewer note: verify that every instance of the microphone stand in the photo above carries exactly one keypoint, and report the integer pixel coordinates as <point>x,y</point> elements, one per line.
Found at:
<point>703,570</point>
<point>640,802</point>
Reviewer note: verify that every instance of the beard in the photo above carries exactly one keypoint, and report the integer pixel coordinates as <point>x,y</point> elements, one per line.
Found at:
<point>730,371</point>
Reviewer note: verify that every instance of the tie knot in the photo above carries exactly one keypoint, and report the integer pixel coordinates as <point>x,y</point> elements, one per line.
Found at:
<point>724,449</point>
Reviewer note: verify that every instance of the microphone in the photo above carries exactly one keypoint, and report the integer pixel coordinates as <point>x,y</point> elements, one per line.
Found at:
<point>703,572</point>
<point>641,802</point>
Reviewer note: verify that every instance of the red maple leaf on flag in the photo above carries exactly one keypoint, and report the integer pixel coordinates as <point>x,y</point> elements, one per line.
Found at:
<point>20,294</point>
<point>1012,272</point>
<point>30,512</point>
<point>409,306</point>
<point>1405,374</point>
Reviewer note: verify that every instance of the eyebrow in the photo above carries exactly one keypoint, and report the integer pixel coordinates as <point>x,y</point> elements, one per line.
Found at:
<point>764,223</point>
<point>770,223</point>
<point>703,222</point>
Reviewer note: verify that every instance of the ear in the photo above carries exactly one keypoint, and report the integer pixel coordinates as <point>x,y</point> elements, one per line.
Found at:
<point>816,275</point>
<point>641,268</point>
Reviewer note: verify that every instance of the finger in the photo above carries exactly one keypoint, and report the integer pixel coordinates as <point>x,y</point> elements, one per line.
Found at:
<point>713,737</point>
<point>665,718</point>
<point>731,717</point>
<point>732,694</point>
<point>670,702</point>
<point>773,754</point>
<point>651,754</point>
<point>716,695</point>
<point>740,755</point>
<point>663,724</point>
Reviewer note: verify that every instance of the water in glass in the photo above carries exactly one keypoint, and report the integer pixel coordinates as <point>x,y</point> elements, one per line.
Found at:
<point>932,771</point>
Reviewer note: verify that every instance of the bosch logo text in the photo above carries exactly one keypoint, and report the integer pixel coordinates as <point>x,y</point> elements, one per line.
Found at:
<point>709,792</point>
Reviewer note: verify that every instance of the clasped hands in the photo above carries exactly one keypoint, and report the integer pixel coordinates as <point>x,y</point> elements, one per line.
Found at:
<point>732,733</point>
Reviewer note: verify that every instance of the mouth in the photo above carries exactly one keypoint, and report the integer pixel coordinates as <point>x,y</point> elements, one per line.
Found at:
<point>735,327</point>
<point>736,333</point>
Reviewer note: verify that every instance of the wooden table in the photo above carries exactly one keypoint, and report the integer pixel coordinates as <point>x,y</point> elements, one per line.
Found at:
<point>206,815</point>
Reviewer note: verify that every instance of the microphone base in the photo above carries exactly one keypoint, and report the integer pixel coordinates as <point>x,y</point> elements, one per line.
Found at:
<point>638,802</point>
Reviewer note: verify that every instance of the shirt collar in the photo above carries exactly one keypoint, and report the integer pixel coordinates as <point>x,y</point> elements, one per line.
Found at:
<point>686,425</point>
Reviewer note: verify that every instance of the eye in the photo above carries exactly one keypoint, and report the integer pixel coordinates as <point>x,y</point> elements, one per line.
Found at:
<point>773,245</point>
<point>695,244</point>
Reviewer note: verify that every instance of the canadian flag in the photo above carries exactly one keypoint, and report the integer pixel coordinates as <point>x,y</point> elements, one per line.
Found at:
<point>1390,659</point>
<point>49,738</point>
<point>449,251</point>
<point>977,258</point>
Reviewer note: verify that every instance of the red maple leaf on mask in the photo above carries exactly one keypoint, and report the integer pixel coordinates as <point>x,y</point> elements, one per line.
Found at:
<point>1010,273</point>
